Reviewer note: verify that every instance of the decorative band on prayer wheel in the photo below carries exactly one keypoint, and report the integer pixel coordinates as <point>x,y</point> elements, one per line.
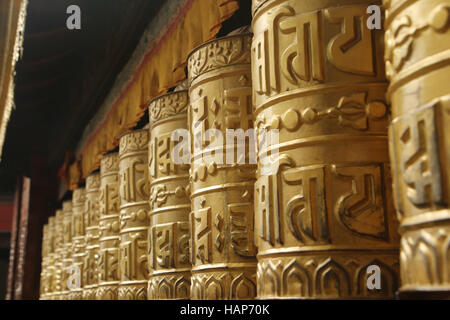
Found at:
<point>59,239</point>
<point>324,217</point>
<point>44,284</point>
<point>67,248</point>
<point>223,251</point>
<point>134,221</point>
<point>109,228</point>
<point>170,269</point>
<point>418,65</point>
<point>78,243</point>
<point>90,274</point>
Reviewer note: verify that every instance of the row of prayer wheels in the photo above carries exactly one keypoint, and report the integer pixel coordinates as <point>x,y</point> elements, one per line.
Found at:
<point>342,194</point>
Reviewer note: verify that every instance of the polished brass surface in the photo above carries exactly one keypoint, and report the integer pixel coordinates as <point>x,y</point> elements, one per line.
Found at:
<point>109,227</point>
<point>78,241</point>
<point>44,289</point>
<point>51,255</point>
<point>326,213</point>
<point>66,256</point>
<point>91,220</point>
<point>134,219</point>
<point>58,243</point>
<point>170,205</point>
<point>315,76</point>
<point>222,252</point>
<point>418,65</point>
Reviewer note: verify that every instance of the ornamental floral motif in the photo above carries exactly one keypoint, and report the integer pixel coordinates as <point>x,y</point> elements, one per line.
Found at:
<point>168,105</point>
<point>92,182</point>
<point>403,32</point>
<point>134,141</point>
<point>352,111</point>
<point>109,163</point>
<point>219,53</point>
<point>158,196</point>
<point>79,196</point>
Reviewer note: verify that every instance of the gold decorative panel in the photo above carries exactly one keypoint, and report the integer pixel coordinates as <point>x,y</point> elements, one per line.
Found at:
<point>58,248</point>
<point>44,288</point>
<point>223,251</point>
<point>109,229</point>
<point>170,205</point>
<point>324,213</point>
<point>134,209</point>
<point>67,256</point>
<point>78,242</point>
<point>91,223</point>
<point>418,65</point>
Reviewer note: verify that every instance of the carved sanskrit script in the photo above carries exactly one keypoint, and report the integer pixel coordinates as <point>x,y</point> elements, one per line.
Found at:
<point>302,58</point>
<point>132,186</point>
<point>419,159</point>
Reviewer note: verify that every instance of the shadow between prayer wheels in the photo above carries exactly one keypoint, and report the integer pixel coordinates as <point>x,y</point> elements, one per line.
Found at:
<point>418,65</point>
<point>223,251</point>
<point>168,242</point>
<point>324,213</point>
<point>134,221</point>
<point>109,228</point>
<point>92,211</point>
<point>78,243</point>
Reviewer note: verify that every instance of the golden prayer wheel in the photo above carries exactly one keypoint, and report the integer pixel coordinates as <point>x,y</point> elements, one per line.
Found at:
<point>66,256</point>
<point>109,227</point>
<point>58,240</point>
<point>418,65</point>
<point>223,251</point>
<point>324,218</point>
<point>91,214</point>
<point>78,243</point>
<point>51,257</point>
<point>168,242</point>
<point>134,221</point>
<point>44,280</point>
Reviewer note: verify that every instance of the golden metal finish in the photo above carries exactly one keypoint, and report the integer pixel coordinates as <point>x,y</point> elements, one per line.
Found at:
<point>134,220</point>
<point>109,275</point>
<point>317,224</point>
<point>91,220</point>
<point>418,64</point>
<point>58,242</point>
<point>51,257</point>
<point>44,282</point>
<point>223,252</point>
<point>78,241</point>
<point>67,248</point>
<point>327,214</point>
<point>168,242</point>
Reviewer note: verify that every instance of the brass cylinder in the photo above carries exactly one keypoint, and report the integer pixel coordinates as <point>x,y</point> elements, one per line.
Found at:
<point>78,243</point>
<point>109,226</point>
<point>223,251</point>
<point>418,64</point>
<point>91,214</point>
<point>134,209</point>
<point>51,258</point>
<point>67,249</point>
<point>168,242</point>
<point>44,280</point>
<point>325,220</point>
<point>59,239</point>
